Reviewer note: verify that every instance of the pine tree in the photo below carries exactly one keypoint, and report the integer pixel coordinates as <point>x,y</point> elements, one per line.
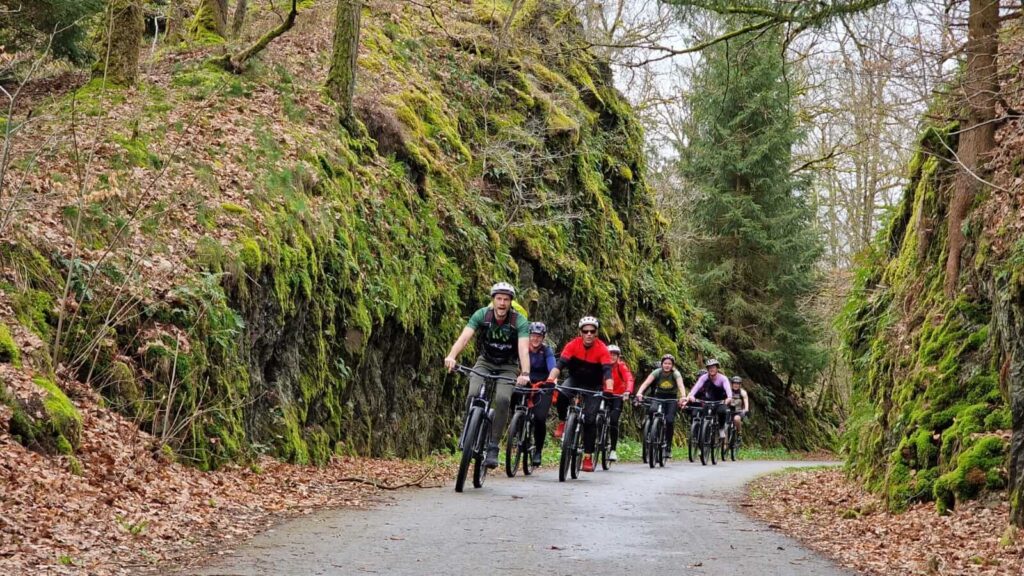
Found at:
<point>756,248</point>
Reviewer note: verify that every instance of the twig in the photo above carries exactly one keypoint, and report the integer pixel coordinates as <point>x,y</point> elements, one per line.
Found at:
<point>382,486</point>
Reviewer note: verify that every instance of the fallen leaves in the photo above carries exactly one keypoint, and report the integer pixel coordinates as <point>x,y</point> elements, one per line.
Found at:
<point>131,509</point>
<point>842,520</point>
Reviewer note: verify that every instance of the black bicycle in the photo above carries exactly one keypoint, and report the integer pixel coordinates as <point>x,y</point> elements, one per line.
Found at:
<point>709,432</point>
<point>603,444</point>
<point>732,438</point>
<point>571,459</point>
<point>520,444</point>
<point>696,422</point>
<point>476,429</point>
<point>655,441</point>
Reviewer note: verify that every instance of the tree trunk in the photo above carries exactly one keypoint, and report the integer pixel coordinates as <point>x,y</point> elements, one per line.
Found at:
<point>120,42</point>
<point>212,17</point>
<point>341,79</point>
<point>977,136</point>
<point>239,18</point>
<point>236,62</point>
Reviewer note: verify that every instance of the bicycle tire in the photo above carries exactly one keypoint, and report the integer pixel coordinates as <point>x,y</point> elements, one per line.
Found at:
<point>468,447</point>
<point>657,451</point>
<point>645,440</point>
<point>479,470</point>
<point>605,441</point>
<point>565,461</point>
<point>725,444</point>
<point>733,441</point>
<point>664,443</point>
<point>513,445</point>
<point>527,447</point>
<point>715,441</point>
<point>704,432</point>
<point>577,453</point>
<point>691,442</point>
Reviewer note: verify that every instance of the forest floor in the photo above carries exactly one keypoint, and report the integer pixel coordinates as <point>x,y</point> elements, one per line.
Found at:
<point>123,505</point>
<point>837,517</point>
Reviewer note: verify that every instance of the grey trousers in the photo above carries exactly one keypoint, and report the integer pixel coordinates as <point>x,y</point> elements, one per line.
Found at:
<point>502,393</point>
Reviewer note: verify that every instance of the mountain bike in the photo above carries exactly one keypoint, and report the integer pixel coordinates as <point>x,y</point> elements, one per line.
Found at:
<point>654,437</point>
<point>603,444</point>
<point>732,438</point>
<point>571,459</point>
<point>519,445</point>
<point>476,428</point>
<point>696,421</point>
<point>709,432</point>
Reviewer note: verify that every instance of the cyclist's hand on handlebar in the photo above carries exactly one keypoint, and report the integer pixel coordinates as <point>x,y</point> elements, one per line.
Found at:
<point>450,363</point>
<point>522,380</point>
<point>639,397</point>
<point>625,396</point>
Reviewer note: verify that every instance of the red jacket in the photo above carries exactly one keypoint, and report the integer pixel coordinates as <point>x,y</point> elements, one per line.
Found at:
<point>623,378</point>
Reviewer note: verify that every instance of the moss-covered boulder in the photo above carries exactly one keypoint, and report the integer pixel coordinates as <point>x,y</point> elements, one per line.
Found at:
<point>47,419</point>
<point>8,349</point>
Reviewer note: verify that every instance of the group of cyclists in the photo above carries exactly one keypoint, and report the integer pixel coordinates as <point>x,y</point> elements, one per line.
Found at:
<point>510,346</point>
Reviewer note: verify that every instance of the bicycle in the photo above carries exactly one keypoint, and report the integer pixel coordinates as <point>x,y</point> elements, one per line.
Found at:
<point>654,436</point>
<point>520,442</point>
<point>693,439</point>
<point>571,459</point>
<point>603,444</point>
<point>732,438</point>
<point>708,442</point>
<point>476,429</point>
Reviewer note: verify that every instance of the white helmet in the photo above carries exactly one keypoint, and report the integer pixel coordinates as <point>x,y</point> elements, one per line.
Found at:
<point>613,349</point>
<point>503,288</point>
<point>588,320</point>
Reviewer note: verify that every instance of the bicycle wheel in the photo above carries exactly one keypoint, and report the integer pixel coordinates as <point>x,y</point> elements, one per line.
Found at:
<point>606,443</point>
<point>469,436</point>
<point>691,442</point>
<point>656,450</point>
<point>733,441</point>
<point>715,442</point>
<point>479,470</point>
<point>513,445</point>
<point>527,447</point>
<point>577,453</point>
<point>645,432</point>
<point>565,462</point>
<point>705,431</point>
<point>725,443</point>
<point>664,443</point>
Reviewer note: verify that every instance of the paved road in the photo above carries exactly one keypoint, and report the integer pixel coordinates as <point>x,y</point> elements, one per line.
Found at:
<point>630,519</point>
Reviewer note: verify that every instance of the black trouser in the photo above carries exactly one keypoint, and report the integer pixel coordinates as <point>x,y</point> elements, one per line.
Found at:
<point>669,410</point>
<point>614,405</point>
<point>591,402</point>
<point>722,411</point>
<point>541,406</point>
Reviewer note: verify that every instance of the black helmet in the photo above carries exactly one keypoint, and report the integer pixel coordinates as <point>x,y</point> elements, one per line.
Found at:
<point>736,380</point>
<point>711,362</point>
<point>538,328</point>
<point>669,357</point>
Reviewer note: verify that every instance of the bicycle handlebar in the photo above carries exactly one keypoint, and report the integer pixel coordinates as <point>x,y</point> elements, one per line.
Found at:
<point>531,390</point>
<point>585,391</point>
<point>660,400</point>
<point>495,377</point>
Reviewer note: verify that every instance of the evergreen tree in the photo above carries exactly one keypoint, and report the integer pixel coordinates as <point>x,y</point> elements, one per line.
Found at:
<point>753,259</point>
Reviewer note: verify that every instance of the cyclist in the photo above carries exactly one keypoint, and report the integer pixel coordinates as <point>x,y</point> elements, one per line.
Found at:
<point>623,380</point>
<point>503,345</point>
<point>542,362</point>
<point>668,383</point>
<point>714,387</point>
<point>740,403</point>
<point>590,367</point>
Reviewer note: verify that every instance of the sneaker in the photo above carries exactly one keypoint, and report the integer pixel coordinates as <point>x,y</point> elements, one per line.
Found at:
<point>588,463</point>
<point>560,429</point>
<point>668,453</point>
<point>613,457</point>
<point>721,434</point>
<point>491,461</point>
<point>536,459</point>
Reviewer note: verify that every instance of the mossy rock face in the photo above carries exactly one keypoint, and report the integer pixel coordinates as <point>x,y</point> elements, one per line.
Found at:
<point>51,423</point>
<point>927,398</point>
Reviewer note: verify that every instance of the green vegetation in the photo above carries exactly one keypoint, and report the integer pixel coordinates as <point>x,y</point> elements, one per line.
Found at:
<point>927,394</point>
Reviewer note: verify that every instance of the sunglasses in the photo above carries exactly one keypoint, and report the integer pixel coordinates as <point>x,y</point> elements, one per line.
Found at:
<point>589,331</point>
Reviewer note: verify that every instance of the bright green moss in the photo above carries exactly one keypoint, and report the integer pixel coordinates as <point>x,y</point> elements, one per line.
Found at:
<point>62,419</point>
<point>8,349</point>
